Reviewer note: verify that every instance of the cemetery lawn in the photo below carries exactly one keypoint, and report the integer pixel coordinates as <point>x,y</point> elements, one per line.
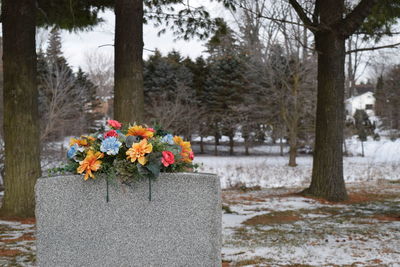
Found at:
<point>280,228</point>
<point>276,227</point>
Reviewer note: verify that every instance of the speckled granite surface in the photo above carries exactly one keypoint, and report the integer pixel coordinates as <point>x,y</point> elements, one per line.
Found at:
<point>181,226</point>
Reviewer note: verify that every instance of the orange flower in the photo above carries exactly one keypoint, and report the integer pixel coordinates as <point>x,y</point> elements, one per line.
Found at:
<point>79,142</point>
<point>90,163</point>
<point>138,130</point>
<point>138,151</point>
<point>186,151</point>
<point>85,141</point>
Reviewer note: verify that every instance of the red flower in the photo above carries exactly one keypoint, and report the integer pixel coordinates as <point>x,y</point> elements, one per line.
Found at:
<point>191,155</point>
<point>168,158</point>
<point>114,124</point>
<point>151,130</point>
<point>111,133</point>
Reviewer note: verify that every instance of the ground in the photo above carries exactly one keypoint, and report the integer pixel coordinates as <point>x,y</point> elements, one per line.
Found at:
<point>276,227</point>
<point>17,242</point>
<point>279,228</point>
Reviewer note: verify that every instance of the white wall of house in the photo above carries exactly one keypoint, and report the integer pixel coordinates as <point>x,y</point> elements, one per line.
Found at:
<point>365,101</point>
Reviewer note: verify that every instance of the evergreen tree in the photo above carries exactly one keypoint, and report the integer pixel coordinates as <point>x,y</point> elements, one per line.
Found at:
<point>168,85</point>
<point>363,126</point>
<point>380,98</point>
<point>225,86</point>
<point>90,102</point>
<point>67,101</point>
<point>200,71</point>
<point>389,99</point>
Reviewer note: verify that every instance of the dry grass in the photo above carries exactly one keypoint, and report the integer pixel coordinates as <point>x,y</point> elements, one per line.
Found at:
<point>273,218</point>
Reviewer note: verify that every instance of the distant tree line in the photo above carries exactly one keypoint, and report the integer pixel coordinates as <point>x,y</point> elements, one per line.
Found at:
<point>230,93</point>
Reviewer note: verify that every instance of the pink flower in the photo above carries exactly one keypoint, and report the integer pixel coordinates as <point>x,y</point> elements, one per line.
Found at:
<point>151,130</point>
<point>191,155</point>
<point>168,158</point>
<point>114,124</point>
<point>111,133</point>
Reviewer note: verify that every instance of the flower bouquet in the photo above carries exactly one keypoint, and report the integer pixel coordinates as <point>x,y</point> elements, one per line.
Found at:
<point>128,153</point>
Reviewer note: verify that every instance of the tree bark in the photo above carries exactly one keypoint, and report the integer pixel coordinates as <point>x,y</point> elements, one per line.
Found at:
<point>246,146</point>
<point>231,145</point>
<point>293,149</point>
<point>331,27</point>
<point>128,92</point>
<point>362,148</point>
<point>201,145</point>
<point>21,124</point>
<point>327,174</point>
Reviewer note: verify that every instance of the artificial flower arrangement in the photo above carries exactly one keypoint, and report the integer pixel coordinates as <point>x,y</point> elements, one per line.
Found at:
<point>128,153</point>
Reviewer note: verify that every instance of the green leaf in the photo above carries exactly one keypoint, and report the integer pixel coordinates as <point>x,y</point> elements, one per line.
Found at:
<point>130,140</point>
<point>143,171</point>
<point>154,169</point>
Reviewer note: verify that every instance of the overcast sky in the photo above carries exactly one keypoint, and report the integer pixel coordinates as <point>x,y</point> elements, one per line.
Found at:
<point>75,45</point>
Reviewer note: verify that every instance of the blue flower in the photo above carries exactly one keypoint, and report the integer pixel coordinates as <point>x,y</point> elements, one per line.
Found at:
<point>110,146</point>
<point>169,139</point>
<point>72,151</point>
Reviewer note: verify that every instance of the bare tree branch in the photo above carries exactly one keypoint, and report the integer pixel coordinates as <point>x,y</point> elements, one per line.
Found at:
<point>373,48</point>
<point>303,16</point>
<point>280,20</point>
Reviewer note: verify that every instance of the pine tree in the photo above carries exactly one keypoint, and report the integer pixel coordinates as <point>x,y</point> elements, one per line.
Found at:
<point>224,86</point>
<point>67,101</point>
<point>380,98</point>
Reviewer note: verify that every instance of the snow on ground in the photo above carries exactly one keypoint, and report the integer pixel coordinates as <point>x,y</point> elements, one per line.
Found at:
<point>273,172</point>
<point>381,161</point>
<point>272,228</point>
<point>17,243</point>
<point>383,151</point>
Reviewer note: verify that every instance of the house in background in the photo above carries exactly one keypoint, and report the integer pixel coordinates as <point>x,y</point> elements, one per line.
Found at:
<point>365,101</point>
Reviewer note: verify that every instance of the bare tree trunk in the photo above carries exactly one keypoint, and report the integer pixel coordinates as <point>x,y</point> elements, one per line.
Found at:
<point>281,142</point>
<point>327,175</point>
<point>362,148</point>
<point>350,78</point>
<point>333,28</point>
<point>128,92</point>
<point>246,146</point>
<point>293,149</point>
<point>201,145</point>
<point>231,145</point>
<point>21,124</point>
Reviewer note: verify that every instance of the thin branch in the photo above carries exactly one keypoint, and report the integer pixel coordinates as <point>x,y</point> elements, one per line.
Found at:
<point>315,15</point>
<point>373,48</point>
<point>302,15</point>
<point>383,33</point>
<point>275,19</point>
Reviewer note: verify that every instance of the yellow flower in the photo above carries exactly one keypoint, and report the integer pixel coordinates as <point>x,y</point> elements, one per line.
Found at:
<point>138,151</point>
<point>138,130</point>
<point>186,149</point>
<point>79,142</point>
<point>84,141</point>
<point>90,163</point>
